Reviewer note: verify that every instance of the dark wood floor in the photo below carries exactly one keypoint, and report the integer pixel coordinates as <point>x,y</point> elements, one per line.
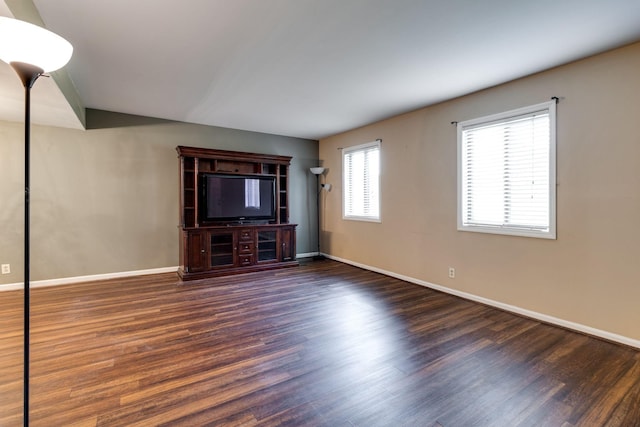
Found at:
<point>324,344</point>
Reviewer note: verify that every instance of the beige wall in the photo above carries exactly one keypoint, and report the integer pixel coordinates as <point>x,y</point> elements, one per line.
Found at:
<point>589,275</point>
<point>105,200</point>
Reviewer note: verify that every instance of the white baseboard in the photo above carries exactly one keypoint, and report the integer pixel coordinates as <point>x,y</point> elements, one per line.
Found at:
<point>506,307</point>
<point>94,277</point>
<point>307,255</point>
<point>91,278</point>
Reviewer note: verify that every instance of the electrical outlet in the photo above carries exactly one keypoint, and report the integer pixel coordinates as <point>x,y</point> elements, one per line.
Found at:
<point>6,268</point>
<point>452,273</point>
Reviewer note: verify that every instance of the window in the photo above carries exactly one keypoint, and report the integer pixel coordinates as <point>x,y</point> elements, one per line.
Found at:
<point>506,173</point>
<point>361,182</point>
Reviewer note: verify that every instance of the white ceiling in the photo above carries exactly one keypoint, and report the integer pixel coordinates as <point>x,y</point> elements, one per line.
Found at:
<point>313,68</point>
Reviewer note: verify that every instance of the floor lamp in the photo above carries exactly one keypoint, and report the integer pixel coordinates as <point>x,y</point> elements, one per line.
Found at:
<point>317,171</point>
<point>31,51</point>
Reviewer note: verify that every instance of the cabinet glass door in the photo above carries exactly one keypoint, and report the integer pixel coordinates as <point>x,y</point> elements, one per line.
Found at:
<point>222,249</point>
<point>267,245</point>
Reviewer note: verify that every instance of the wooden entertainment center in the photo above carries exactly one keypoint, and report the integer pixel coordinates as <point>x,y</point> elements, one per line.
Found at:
<point>211,248</point>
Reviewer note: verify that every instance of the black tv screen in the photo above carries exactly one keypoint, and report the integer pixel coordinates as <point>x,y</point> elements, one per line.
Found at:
<point>237,197</point>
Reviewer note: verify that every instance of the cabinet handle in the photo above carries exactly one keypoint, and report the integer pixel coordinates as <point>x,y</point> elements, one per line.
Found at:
<point>201,251</point>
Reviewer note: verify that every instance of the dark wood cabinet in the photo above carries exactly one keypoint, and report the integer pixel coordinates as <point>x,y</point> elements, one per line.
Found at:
<point>219,251</point>
<point>195,251</point>
<point>210,248</point>
<point>288,244</point>
<point>197,161</point>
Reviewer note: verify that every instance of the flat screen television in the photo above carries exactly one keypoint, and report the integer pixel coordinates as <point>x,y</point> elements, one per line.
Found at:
<point>237,198</point>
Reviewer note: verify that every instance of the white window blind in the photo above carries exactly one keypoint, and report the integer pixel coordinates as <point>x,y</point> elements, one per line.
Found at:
<point>506,173</point>
<point>361,182</point>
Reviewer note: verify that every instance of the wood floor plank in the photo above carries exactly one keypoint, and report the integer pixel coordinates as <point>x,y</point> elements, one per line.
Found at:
<point>323,344</point>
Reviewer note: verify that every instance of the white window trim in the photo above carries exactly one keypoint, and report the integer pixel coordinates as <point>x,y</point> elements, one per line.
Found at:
<point>345,151</point>
<point>551,233</point>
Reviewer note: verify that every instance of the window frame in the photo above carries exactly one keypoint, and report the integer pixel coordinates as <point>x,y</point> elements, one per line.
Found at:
<point>358,148</point>
<point>504,229</point>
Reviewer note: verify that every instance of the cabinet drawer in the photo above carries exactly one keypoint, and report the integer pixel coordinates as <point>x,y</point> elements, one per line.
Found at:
<point>246,235</point>
<point>245,248</point>
<point>245,259</point>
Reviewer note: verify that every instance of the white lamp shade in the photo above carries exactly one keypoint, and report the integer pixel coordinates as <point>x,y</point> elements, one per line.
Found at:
<point>24,42</point>
<point>317,170</point>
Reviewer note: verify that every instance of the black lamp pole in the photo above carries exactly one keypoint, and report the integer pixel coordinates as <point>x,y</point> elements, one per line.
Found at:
<point>319,190</point>
<point>22,45</point>
<point>317,171</point>
<point>28,75</point>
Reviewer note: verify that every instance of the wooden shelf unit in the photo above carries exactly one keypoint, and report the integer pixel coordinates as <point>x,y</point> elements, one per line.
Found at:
<point>209,248</point>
